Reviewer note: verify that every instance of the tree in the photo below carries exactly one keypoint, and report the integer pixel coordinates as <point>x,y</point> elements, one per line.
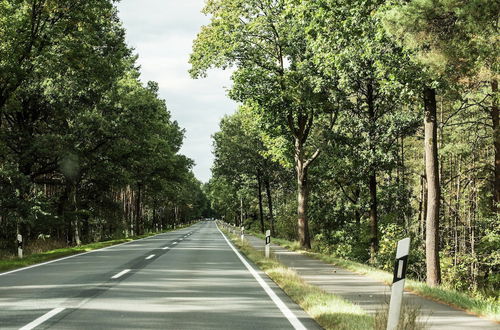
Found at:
<point>447,42</point>
<point>262,41</point>
<point>240,154</point>
<point>87,151</point>
<point>372,75</point>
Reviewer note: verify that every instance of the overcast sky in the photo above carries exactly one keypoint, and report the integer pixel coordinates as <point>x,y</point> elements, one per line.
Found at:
<point>162,32</point>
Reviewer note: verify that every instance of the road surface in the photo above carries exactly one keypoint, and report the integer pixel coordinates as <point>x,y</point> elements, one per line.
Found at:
<point>187,279</point>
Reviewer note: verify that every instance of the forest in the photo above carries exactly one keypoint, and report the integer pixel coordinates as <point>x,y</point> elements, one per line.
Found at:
<point>87,151</point>
<point>362,122</point>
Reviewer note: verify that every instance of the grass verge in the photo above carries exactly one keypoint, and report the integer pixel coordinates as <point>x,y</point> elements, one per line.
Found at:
<point>329,310</point>
<point>481,307</point>
<point>13,262</point>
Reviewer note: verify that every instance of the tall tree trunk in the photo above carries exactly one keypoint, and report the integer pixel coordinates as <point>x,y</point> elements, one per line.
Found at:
<point>357,213</point>
<point>74,223</point>
<point>421,206</point>
<point>373,217</point>
<point>302,196</point>
<point>154,222</point>
<point>138,212</point>
<point>261,211</point>
<point>370,100</point>
<point>270,205</point>
<point>433,189</point>
<point>496,141</point>
<point>241,211</point>
<point>176,215</point>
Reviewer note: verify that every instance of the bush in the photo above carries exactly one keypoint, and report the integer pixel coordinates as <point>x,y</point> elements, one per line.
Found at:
<point>390,235</point>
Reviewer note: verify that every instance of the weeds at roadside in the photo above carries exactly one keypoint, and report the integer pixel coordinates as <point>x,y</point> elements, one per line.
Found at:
<point>410,318</point>
<point>10,262</point>
<point>481,307</point>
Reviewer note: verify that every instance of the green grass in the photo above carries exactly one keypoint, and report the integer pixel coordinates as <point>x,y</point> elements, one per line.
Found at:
<point>482,307</point>
<point>13,262</point>
<point>329,310</point>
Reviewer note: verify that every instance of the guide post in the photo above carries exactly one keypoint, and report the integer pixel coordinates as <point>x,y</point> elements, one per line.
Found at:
<point>398,283</point>
<point>242,233</point>
<point>268,242</point>
<point>20,245</point>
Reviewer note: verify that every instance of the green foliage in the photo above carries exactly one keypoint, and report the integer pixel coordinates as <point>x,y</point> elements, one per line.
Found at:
<point>86,150</point>
<point>352,72</point>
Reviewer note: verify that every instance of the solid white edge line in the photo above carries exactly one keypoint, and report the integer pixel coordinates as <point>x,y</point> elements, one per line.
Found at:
<point>149,257</point>
<point>77,255</point>
<point>120,274</point>
<point>42,319</point>
<point>294,321</point>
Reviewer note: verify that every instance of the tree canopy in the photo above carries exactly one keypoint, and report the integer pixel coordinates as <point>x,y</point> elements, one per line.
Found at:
<point>386,111</point>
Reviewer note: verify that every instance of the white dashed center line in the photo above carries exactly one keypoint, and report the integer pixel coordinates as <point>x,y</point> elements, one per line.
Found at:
<point>42,319</point>
<point>123,272</point>
<point>165,248</point>
<point>149,257</point>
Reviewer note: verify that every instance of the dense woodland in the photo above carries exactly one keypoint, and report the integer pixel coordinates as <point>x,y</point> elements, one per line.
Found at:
<point>87,152</point>
<point>363,122</point>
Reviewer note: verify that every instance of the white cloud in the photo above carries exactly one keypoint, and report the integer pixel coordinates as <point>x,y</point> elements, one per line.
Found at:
<point>162,32</point>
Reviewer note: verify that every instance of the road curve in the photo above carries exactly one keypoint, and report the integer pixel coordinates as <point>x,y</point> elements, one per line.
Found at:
<point>186,279</point>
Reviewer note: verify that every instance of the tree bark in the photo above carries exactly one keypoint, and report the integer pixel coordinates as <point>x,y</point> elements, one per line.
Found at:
<point>370,100</point>
<point>74,222</point>
<point>138,212</point>
<point>302,196</point>
<point>433,189</point>
<point>496,141</point>
<point>241,211</point>
<point>357,213</point>
<point>261,211</point>
<point>270,205</point>
<point>373,217</point>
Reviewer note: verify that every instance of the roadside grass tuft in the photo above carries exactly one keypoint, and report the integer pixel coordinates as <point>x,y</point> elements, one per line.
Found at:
<point>329,311</point>
<point>489,308</point>
<point>11,262</point>
<point>408,321</point>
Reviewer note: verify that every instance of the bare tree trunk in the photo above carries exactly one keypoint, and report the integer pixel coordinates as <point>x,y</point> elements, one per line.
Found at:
<point>138,212</point>
<point>420,205</point>
<point>176,216</point>
<point>270,205</point>
<point>302,196</point>
<point>241,211</point>
<point>357,213</point>
<point>261,211</point>
<point>370,100</point>
<point>496,141</point>
<point>74,222</point>
<point>155,223</point>
<point>433,189</point>
<point>373,217</point>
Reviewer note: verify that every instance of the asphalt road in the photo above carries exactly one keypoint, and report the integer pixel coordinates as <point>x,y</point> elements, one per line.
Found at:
<point>186,279</point>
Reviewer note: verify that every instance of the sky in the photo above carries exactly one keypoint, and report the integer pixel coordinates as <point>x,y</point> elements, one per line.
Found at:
<point>162,33</point>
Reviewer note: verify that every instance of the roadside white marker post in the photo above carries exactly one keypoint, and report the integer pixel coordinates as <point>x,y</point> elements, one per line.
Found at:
<point>242,233</point>
<point>268,242</point>
<point>20,245</point>
<point>398,283</point>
